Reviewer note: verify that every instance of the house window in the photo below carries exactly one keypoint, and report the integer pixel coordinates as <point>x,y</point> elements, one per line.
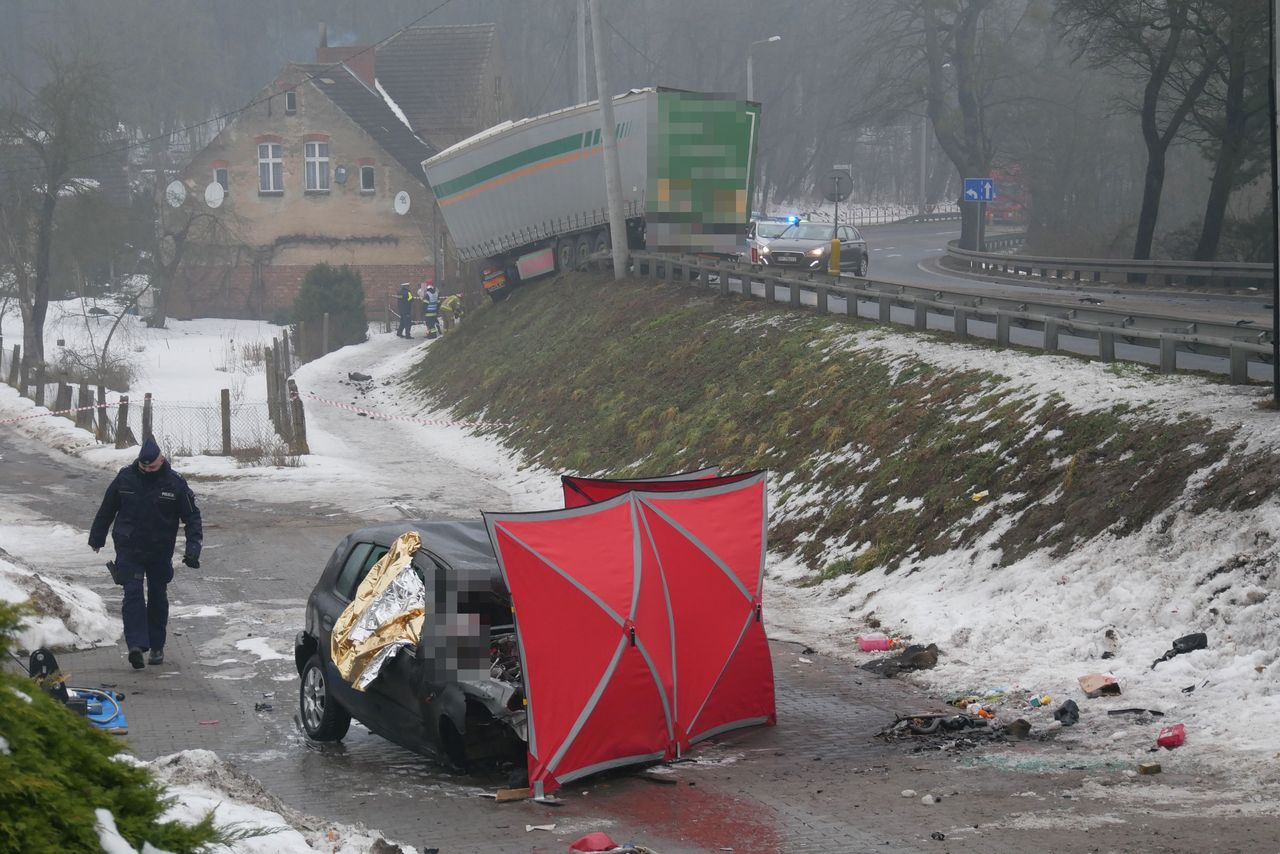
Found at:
<point>270,168</point>
<point>366,179</point>
<point>317,163</point>
<point>290,102</point>
<point>220,177</point>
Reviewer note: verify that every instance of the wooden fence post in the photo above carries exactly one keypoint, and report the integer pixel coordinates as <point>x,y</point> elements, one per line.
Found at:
<point>62,402</point>
<point>147,417</point>
<point>14,366</point>
<point>104,420</point>
<point>226,422</point>
<point>124,436</point>
<point>324,335</point>
<point>286,363</point>
<point>270,369</point>
<point>84,415</point>
<point>299,421</point>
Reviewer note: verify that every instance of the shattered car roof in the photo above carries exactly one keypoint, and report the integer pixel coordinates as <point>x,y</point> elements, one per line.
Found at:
<point>462,544</point>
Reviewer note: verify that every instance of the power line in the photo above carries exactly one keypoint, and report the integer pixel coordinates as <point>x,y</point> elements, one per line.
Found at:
<point>554,68</point>
<point>325,70</point>
<point>653,65</point>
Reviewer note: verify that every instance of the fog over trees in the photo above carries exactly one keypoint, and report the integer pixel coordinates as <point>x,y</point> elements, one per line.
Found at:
<point>1132,127</point>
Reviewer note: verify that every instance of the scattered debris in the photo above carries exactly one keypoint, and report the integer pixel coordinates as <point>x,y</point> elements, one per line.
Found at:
<point>1148,767</point>
<point>978,496</point>
<point>930,724</point>
<point>914,657</point>
<point>1189,688</point>
<point>505,795</point>
<point>930,799</point>
<point>1068,713</point>
<point>1020,728</point>
<point>1184,644</point>
<point>1037,702</point>
<point>1152,712</point>
<point>209,723</point>
<point>262,707</point>
<point>908,793</point>
<point>804,660</point>
<point>529,827</point>
<point>1099,685</point>
<point>938,835</point>
<point>658,777</point>
<point>357,377</point>
<point>595,841</point>
<point>1172,736</point>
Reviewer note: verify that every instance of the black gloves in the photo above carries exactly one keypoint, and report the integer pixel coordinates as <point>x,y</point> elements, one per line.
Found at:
<point>191,561</point>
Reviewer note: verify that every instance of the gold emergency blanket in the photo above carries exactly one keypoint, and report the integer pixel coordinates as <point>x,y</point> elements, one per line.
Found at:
<point>384,617</point>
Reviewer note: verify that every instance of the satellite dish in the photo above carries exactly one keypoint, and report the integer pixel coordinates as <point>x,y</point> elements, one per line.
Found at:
<point>402,202</point>
<point>175,194</point>
<point>214,194</point>
<point>340,174</point>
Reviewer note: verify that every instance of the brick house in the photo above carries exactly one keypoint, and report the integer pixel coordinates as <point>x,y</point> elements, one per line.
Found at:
<point>311,172</point>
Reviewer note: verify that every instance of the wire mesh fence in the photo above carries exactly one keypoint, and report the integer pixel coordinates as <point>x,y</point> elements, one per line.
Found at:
<point>182,428</point>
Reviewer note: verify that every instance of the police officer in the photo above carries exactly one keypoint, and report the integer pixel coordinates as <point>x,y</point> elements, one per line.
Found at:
<point>404,305</point>
<point>146,501</point>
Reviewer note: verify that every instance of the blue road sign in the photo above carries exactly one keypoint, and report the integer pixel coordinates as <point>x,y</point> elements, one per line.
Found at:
<point>979,190</point>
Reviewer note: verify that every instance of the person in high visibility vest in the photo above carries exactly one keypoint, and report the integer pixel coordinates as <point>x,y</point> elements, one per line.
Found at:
<point>451,310</point>
<point>431,308</point>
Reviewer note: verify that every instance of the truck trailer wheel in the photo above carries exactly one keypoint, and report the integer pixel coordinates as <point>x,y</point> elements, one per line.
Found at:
<point>584,251</point>
<point>566,254</point>
<point>601,242</point>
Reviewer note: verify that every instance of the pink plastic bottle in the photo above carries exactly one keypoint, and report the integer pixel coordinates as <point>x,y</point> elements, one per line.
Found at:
<point>874,642</point>
<point>1172,736</point>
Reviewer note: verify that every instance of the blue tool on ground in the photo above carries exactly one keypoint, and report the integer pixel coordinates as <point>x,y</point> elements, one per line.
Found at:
<point>101,707</point>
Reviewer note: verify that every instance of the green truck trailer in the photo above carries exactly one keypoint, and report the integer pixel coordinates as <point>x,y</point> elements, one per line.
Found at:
<point>527,198</point>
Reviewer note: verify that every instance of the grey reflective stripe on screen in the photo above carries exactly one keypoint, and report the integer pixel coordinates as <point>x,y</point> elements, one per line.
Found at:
<point>750,616</point>
<point>569,776</point>
<point>589,707</point>
<point>726,727</point>
<point>684,532</point>
<point>613,615</point>
<point>671,627</point>
<point>635,563</point>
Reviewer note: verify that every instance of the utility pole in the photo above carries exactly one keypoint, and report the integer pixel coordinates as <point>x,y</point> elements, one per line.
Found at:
<point>584,86</point>
<point>1275,212</point>
<point>924,162</point>
<point>609,134</point>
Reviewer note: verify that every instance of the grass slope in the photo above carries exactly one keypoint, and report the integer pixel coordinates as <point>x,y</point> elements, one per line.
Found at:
<point>875,458</point>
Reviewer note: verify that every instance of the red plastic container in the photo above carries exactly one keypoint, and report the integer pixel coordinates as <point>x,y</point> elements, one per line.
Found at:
<point>874,642</point>
<point>1172,736</point>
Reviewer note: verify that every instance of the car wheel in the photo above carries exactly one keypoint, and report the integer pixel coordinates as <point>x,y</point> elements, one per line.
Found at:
<point>322,718</point>
<point>862,267</point>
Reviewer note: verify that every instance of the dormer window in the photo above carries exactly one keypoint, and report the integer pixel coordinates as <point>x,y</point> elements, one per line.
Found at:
<point>290,103</point>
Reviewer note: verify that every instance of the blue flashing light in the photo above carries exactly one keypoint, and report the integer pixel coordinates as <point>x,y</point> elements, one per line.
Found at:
<point>793,219</point>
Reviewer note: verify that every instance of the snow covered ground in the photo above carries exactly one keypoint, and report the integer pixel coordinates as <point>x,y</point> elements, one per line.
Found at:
<point>1034,626</point>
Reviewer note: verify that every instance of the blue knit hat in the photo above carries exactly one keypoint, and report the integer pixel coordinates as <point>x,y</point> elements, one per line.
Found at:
<point>148,453</point>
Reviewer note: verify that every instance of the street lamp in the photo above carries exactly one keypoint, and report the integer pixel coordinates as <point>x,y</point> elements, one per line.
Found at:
<point>750,84</point>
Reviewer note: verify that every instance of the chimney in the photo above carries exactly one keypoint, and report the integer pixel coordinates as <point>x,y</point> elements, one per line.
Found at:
<point>324,35</point>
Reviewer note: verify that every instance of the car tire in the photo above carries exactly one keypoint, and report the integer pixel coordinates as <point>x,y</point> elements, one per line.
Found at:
<point>566,254</point>
<point>862,267</point>
<point>322,718</point>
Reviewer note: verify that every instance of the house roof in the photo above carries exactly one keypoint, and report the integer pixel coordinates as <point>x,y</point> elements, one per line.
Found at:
<point>367,109</point>
<point>436,74</point>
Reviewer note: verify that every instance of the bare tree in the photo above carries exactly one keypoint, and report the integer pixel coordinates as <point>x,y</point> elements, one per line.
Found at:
<point>1232,115</point>
<point>1166,46</point>
<point>51,135</point>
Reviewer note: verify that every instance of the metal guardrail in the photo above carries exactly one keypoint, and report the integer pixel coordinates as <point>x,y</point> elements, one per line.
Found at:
<point>1167,336</point>
<point>1222,274</point>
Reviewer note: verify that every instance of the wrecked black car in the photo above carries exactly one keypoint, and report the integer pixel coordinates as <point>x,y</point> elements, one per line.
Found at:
<point>456,693</point>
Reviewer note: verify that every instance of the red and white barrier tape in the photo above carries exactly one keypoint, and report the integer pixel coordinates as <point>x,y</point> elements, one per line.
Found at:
<point>55,412</point>
<point>383,416</point>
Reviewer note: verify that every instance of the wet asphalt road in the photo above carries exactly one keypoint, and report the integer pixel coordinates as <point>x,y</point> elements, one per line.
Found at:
<point>819,781</point>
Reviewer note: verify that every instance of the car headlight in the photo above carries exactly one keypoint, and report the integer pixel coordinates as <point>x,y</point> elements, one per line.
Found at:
<point>819,252</point>
<point>764,250</point>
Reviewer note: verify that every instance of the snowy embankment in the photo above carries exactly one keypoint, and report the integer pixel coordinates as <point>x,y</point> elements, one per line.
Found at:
<point>1113,605</point>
